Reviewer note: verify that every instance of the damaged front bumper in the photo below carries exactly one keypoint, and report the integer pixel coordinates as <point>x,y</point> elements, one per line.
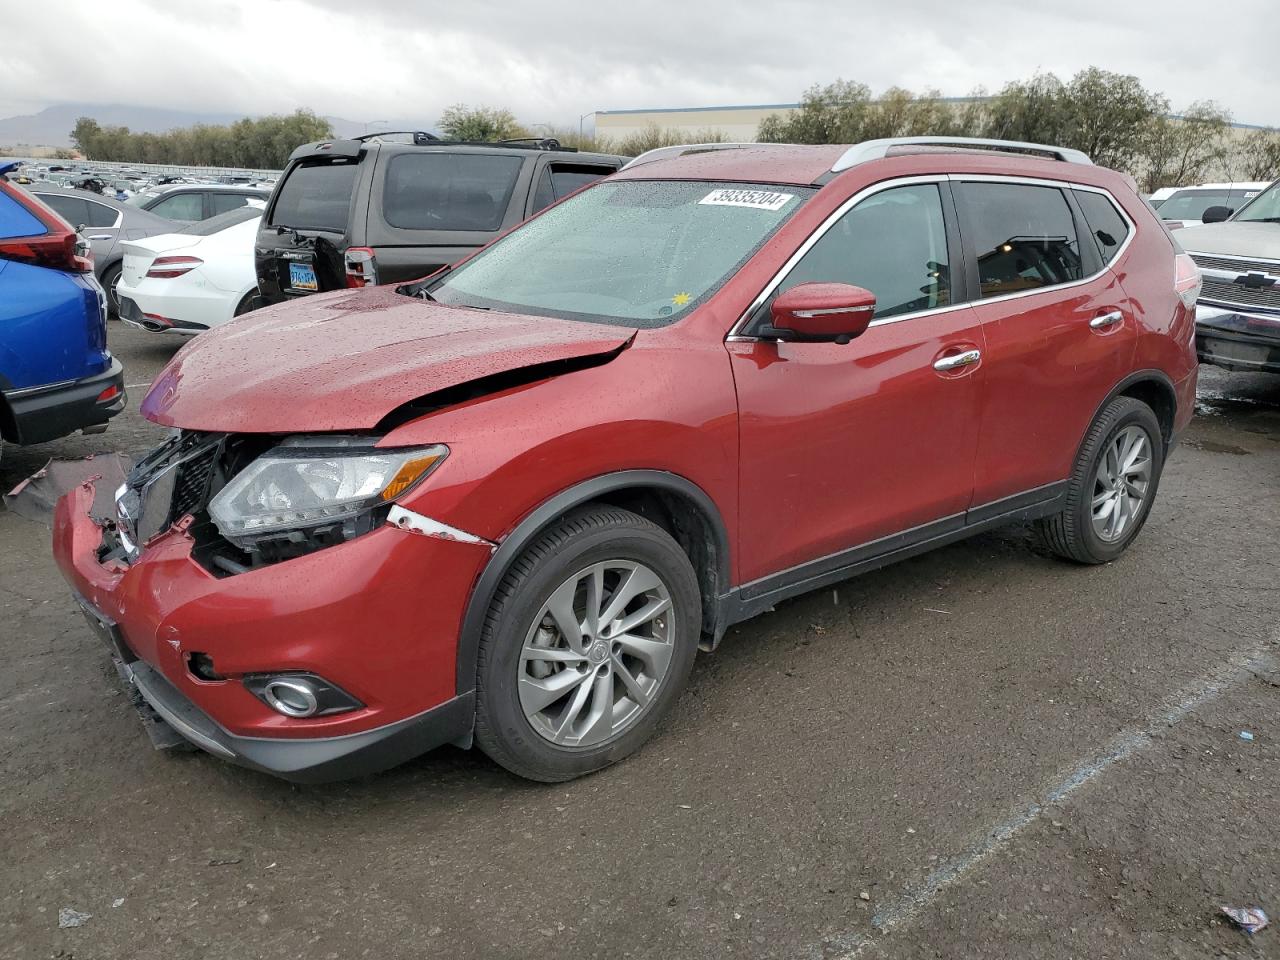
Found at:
<point>1238,341</point>
<point>377,616</point>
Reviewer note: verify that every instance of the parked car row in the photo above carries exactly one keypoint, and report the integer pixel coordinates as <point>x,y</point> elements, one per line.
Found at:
<point>721,377</point>
<point>1187,206</point>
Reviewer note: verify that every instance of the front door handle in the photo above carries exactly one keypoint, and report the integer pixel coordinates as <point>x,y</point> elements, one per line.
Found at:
<point>955,361</point>
<point>1106,320</point>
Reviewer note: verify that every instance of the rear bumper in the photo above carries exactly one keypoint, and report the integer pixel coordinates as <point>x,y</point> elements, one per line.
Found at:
<point>132,314</point>
<point>1238,341</point>
<point>48,412</point>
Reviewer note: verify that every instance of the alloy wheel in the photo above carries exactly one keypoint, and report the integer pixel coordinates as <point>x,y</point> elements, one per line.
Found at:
<point>596,654</point>
<point>1121,483</point>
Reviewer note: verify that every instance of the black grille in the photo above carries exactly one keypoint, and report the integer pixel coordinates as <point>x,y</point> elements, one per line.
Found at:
<point>191,487</point>
<point>1237,294</point>
<point>1235,264</point>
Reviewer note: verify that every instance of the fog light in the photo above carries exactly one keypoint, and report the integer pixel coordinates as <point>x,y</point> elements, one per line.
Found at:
<point>300,694</point>
<point>293,698</point>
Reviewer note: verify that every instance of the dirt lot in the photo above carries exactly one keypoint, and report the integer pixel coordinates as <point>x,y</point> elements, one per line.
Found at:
<point>979,753</point>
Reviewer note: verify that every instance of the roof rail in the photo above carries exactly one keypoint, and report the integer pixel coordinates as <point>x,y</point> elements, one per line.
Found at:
<point>878,149</point>
<point>680,149</point>
<point>418,135</point>
<point>537,143</point>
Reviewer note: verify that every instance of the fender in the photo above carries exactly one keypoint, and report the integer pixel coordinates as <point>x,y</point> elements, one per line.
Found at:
<point>514,544</point>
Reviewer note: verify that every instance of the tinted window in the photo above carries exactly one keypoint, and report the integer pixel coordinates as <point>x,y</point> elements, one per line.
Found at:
<point>559,181</point>
<point>1108,227</point>
<point>74,210</point>
<point>316,196</point>
<point>1024,237</point>
<point>449,191</point>
<point>100,215</point>
<point>894,244</point>
<point>222,202</point>
<point>181,206</point>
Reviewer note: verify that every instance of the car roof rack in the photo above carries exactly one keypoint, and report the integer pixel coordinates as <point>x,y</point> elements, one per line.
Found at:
<point>680,149</point>
<point>879,149</point>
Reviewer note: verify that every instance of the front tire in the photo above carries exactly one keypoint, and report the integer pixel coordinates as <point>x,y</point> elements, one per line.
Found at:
<point>1112,486</point>
<point>587,645</point>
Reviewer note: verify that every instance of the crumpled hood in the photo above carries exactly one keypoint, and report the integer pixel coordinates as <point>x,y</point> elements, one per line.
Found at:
<point>342,361</point>
<point>1251,240</point>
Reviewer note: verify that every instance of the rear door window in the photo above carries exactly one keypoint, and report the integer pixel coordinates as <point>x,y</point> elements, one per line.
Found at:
<point>558,180</point>
<point>1108,227</point>
<point>181,206</point>
<point>449,191</point>
<point>100,215</point>
<point>316,196</point>
<point>222,202</point>
<point>1023,236</point>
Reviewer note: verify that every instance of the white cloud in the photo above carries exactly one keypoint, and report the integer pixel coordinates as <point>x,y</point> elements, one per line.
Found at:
<point>553,60</point>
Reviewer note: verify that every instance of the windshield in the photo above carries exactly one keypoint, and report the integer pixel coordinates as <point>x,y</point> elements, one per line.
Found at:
<point>639,253</point>
<point>1264,207</point>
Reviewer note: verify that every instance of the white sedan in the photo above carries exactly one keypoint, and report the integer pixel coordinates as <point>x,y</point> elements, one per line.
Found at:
<point>190,281</point>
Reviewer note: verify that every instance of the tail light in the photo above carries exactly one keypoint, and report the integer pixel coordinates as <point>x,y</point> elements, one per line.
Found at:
<point>1186,280</point>
<point>166,268</point>
<point>361,267</point>
<point>60,248</point>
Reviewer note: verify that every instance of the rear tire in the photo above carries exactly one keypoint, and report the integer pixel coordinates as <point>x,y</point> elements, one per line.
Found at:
<point>250,302</point>
<point>111,280</point>
<point>1112,487</point>
<point>628,594</point>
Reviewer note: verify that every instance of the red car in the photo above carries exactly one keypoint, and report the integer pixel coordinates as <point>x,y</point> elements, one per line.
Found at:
<point>507,504</point>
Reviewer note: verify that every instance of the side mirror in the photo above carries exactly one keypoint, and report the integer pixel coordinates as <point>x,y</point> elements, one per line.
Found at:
<point>1216,214</point>
<point>821,313</point>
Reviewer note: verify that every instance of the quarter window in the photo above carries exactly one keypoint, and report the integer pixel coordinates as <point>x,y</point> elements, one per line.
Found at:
<point>894,244</point>
<point>1024,237</point>
<point>1108,227</point>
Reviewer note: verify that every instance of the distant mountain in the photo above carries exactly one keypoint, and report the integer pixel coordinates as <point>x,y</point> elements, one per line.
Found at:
<point>51,127</point>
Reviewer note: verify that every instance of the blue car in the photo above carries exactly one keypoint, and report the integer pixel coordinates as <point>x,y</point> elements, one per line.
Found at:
<point>56,373</point>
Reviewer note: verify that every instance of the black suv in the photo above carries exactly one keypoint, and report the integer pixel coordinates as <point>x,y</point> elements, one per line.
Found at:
<point>350,213</point>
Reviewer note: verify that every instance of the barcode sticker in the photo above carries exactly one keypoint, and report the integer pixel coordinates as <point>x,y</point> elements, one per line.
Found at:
<point>757,199</point>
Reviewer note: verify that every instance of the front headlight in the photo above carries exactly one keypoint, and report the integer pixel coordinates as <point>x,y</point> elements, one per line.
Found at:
<point>298,488</point>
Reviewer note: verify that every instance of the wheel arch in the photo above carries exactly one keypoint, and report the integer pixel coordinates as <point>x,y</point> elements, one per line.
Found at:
<point>675,503</point>
<point>1155,389</point>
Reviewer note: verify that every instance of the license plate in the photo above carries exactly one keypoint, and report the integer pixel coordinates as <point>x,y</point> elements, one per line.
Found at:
<point>302,277</point>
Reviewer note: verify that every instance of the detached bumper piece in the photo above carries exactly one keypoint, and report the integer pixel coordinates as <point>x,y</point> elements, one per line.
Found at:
<point>1238,341</point>
<point>48,412</point>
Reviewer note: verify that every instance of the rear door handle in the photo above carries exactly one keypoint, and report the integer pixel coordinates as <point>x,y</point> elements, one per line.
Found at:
<point>99,236</point>
<point>1106,320</point>
<point>955,361</point>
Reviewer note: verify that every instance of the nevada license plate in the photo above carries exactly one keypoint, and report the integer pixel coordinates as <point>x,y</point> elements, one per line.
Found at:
<point>302,277</point>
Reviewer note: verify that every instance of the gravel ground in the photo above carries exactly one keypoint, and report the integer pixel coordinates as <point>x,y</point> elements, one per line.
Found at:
<point>982,752</point>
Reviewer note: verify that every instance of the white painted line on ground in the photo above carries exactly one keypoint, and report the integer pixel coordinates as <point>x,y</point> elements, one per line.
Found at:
<point>132,386</point>
<point>1175,709</point>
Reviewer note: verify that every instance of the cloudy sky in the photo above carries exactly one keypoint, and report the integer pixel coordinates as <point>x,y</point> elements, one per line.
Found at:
<point>552,60</point>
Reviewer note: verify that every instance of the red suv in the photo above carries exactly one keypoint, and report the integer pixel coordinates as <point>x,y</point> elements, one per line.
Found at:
<point>506,504</point>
